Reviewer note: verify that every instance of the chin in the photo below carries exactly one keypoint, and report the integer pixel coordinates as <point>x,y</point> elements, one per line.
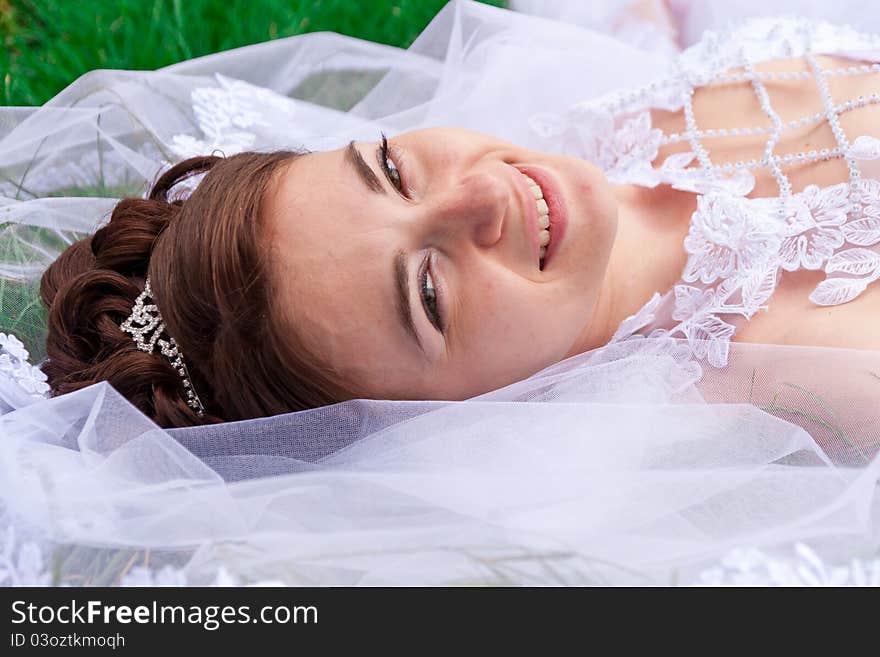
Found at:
<point>594,203</point>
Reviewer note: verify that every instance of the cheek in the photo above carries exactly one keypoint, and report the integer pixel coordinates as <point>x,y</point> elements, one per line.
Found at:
<point>375,365</point>
<point>595,208</point>
<point>512,330</point>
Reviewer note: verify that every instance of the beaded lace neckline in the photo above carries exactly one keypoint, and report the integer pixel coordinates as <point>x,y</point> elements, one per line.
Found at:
<point>738,247</point>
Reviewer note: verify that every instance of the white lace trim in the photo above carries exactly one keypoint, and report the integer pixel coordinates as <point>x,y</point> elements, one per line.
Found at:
<point>227,116</point>
<point>29,381</point>
<point>752,567</point>
<point>737,247</point>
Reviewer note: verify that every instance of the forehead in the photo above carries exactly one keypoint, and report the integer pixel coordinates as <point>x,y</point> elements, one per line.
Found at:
<point>332,250</point>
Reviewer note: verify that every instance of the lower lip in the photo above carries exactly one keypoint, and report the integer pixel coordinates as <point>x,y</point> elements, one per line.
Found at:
<point>556,205</point>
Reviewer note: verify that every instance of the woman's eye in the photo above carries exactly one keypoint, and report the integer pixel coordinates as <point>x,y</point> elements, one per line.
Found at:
<point>429,299</point>
<point>390,168</point>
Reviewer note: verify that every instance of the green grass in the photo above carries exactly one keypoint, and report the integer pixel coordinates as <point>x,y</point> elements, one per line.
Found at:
<point>49,43</point>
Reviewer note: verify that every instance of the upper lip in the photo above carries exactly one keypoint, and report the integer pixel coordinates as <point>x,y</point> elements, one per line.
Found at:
<point>529,213</point>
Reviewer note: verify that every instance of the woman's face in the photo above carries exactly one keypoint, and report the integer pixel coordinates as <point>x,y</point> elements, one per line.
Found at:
<point>427,283</point>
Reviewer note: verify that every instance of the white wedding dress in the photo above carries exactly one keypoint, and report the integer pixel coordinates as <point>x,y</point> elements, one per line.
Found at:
<point>672,455</point>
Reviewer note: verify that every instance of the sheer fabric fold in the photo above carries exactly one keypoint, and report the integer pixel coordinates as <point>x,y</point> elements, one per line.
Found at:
<point>608,468</point>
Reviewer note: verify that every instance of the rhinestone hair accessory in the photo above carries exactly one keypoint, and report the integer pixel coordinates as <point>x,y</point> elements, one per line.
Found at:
<point>145,325</point>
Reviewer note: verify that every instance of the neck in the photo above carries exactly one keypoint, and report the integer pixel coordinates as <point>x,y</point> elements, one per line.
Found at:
<point>647,256</point>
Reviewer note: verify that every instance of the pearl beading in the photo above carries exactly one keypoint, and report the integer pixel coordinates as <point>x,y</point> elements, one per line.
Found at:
<point>679,88</point>
<point>635,96</point>
<point>790,158</point>
<point>693,135</point>
<point>732,78</point>
<point>764,100</point>
<point>674,93</point>
<point>833,120</point>
<point>861,101</point>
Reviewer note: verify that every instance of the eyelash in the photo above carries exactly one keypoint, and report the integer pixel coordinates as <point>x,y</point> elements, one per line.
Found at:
<point>427,294</point>
<point>392,172</point>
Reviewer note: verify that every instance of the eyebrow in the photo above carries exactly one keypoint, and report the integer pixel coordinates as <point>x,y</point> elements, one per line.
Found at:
<point>401,279</point>
<point>404,311</point>
<point>364,171</point>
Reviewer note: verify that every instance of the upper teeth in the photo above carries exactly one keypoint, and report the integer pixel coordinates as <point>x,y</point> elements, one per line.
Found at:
<point>543,215</point>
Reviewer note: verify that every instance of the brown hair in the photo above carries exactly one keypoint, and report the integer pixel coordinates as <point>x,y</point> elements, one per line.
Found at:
<point>212,282</point>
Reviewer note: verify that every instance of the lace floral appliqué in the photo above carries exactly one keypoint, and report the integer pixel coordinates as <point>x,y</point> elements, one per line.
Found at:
<point>723,238</point>
<point>738,247</point>
<point>752,567</point>
<point>228,117</point>
<point>21,382</point>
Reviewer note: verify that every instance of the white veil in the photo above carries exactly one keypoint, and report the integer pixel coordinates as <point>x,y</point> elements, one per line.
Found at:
<point>626,465</point>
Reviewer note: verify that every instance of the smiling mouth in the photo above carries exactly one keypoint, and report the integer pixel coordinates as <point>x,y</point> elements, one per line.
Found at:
<point>543,218</point>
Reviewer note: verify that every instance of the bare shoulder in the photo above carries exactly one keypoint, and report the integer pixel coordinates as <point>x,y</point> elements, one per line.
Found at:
<point>791,318</point>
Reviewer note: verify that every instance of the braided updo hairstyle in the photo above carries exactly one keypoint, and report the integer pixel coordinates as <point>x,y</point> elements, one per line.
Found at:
<point>210,272</point>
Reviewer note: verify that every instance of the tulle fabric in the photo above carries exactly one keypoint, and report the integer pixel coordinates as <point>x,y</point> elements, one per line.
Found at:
<point>626,465</point>
<point>608,468</point>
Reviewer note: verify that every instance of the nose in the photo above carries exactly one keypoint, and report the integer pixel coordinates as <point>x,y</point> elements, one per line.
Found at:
<point>473,208</point>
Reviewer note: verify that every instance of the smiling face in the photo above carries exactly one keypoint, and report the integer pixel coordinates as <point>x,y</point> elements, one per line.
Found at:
<point>419,275</point>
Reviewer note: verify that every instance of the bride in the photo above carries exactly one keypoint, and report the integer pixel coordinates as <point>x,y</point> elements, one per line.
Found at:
<point>658,303</point>
<point>442,240</point>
